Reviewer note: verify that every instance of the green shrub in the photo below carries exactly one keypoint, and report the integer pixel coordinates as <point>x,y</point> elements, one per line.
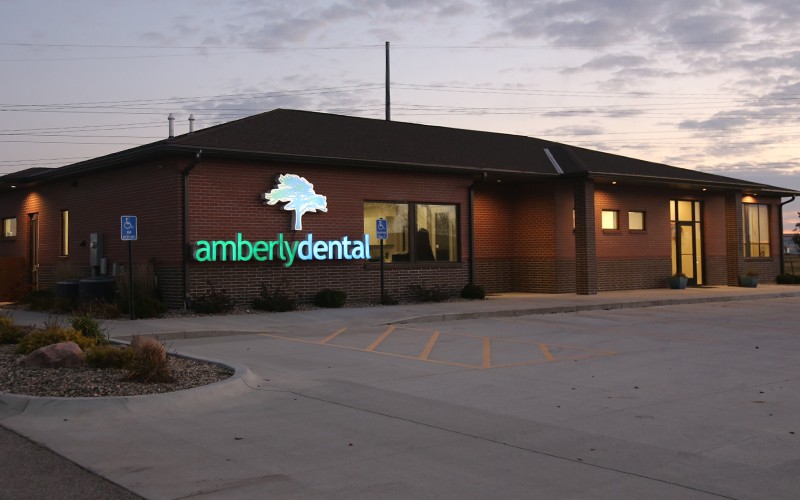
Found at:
<point>213,302</point>
<point>148,363</point>
<point>275,301</point>
<point>52,335</point>
<point>433,294</point>
<point>9,332</point>
<point>473,291</point>
<point>787,279</point>
<point>90,327</point>
<point>40,300</point>
<point>97,309</point>
<point>108,356</point>
<point>330,298</point>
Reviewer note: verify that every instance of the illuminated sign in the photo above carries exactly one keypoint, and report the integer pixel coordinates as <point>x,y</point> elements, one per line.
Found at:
<point>242,250</point>
<point>299,196</point>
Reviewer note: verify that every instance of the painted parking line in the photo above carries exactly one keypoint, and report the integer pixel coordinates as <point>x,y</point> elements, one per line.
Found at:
<point>453,349</point>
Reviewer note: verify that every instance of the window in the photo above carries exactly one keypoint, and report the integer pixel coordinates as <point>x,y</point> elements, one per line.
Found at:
<point>756,230</point>
<point>610,219</point>
<point>636,221</point>
<point>417,232</point>
<point>64,233</point>
<point>10,227</point>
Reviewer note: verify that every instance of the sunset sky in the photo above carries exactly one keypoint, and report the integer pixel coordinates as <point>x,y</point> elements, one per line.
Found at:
<point>707,85</point>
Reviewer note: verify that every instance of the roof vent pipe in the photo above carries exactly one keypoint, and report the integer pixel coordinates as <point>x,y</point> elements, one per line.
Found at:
<point>191,123</point>
<point>171,120</point>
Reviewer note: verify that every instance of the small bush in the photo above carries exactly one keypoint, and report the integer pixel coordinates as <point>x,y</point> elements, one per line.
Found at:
<point>148,363</point>
<point>52,335</point>
<point>97,309</point>
<point>473,291</point>
<point>388,300</point>
<point>787,279</point>
<point>330,298</point>
<point>433,294</point>
<point>275,301</point>
<point>40,300</point>
<point>90,327</point>
<point>108,356</point>
<point>213,302</point>
<point>9,332</point>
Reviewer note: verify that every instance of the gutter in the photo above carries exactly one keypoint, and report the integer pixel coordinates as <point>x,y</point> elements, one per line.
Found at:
<point>471,208</point>
<point>780,221</point>
<point>185,222</point>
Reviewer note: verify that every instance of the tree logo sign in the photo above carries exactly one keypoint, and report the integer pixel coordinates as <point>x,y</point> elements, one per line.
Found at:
<point>299,196</point>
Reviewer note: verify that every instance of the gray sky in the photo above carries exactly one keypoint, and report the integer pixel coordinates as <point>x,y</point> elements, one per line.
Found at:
<point>707,85</point>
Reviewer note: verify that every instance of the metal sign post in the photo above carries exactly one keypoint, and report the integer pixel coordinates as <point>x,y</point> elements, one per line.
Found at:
<point>382,230</point>
<point>129,231</point>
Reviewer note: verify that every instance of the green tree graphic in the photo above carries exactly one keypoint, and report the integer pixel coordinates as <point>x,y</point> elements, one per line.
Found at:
<point>300,195</point>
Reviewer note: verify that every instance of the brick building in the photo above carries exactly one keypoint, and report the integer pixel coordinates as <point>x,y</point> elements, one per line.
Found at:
<point>289,199</point>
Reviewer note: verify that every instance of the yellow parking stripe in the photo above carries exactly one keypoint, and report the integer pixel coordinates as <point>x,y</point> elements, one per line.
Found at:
<point>333,335</point>
<point>380,339</point>
<point>429,347</point>
<point>546,351</point>
<point>487,352</point>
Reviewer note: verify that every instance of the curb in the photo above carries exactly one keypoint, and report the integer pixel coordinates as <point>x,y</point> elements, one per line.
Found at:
<point>241,382</point>
<point>432,318</point>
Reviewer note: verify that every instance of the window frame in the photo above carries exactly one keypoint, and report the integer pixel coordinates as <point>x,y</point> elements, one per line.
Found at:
<point>603,221</point>
<point>747,243</point>
<point>644,221</point>
<point>411,232</point>
<point>64,233</point>
<point>6,221</point>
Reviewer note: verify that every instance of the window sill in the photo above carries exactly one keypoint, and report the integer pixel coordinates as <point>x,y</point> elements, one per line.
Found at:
<point>637,231</point>
<point>612,231</point>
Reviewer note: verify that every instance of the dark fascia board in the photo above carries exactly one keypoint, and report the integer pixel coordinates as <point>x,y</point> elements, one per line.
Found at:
<point>165,149</point>
<point>733,184</point>
<point>348,162</point>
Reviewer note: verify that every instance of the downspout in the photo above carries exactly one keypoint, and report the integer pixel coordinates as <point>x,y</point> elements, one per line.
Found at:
<point>185,222</point>
<point>472,226</point>
<point>780,221</point>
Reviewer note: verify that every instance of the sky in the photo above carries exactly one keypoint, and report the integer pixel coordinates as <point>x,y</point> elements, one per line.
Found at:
<point>706,85</point>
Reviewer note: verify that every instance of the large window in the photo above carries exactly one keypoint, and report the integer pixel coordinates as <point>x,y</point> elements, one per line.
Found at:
<point>417,232</point>
<point>10,227</point>
<point>756,230</point>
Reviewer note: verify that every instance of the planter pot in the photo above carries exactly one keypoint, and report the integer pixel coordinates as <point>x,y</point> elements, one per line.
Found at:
<point>748,281</point>
<point>678,282</point>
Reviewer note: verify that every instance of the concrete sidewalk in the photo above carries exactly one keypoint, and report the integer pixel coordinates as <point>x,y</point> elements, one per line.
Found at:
<point>500,305</point>
<point>356,420</point>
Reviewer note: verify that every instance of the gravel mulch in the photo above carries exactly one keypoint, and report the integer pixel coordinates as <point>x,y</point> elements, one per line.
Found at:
<point>95,382</point>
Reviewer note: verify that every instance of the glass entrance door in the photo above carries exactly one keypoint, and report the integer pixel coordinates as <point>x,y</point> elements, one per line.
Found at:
<point>687,254</point>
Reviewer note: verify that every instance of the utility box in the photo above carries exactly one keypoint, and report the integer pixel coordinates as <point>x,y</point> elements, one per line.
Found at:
<point>95,249</point>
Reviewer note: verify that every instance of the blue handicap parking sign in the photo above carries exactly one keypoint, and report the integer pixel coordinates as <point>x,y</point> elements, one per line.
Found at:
<point>128,228</point>
<point>382,228</point>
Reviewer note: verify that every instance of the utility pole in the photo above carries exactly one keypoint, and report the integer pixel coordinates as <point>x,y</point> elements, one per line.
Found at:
<point>388,100</point>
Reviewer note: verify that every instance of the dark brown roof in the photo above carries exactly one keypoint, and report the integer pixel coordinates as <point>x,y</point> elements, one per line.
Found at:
<point>327,138</point>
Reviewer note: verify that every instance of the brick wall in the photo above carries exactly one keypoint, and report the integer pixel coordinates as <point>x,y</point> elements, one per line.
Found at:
<point>226,199</point>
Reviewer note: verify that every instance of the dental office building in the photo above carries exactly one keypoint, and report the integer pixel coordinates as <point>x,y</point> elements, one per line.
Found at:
<point>290,200</point>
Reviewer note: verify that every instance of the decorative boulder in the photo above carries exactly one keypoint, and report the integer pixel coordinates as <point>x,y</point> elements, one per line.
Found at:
<point>61,355</point>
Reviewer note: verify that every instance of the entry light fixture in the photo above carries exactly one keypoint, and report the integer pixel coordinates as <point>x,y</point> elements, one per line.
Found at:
<point>614,182</point>
<point>704,189</point>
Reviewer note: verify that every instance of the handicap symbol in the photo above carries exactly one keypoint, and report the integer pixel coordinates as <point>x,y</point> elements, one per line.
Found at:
<point>127,224</point>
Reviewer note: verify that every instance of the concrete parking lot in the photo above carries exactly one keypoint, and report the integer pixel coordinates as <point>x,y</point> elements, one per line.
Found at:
<point>678,401</point>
